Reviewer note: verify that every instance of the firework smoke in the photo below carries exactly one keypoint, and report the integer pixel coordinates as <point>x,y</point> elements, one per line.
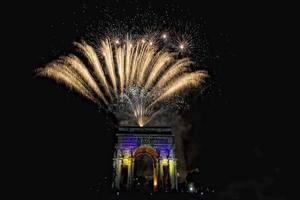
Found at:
<point>131,78</point>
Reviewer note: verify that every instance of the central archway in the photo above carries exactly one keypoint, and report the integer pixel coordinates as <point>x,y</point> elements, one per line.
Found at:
<point>145,168</point>
<point>143,173</point>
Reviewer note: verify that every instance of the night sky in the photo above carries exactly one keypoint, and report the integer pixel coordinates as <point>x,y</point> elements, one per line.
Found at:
<point>65,144</point>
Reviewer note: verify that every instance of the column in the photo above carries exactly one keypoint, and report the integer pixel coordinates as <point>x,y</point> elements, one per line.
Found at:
<point>118,165</point>
<point>155,175</point>
<point>130,173</point>
<point>173,173</point>
<point>114,173</point>
<point>161,174</point>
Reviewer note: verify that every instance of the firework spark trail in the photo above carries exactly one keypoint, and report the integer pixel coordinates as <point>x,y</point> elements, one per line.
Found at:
<point>160,64</point>
<point>74,62</point>
<point>134,62</point>
<point>184,81</point>
<point>127,63</point>
<point>61,75</point>
<point>120,64</point>
<point>109,61</point>
<point>75,69</point>
<point>141,76</point>
<point>146,58</point>
<point>62,67</point>
<point>93,59</point>
<point>154,114</point>
<point>176,69</point>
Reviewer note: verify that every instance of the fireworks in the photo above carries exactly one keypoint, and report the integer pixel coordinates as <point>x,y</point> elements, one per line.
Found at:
<point>129,77</point>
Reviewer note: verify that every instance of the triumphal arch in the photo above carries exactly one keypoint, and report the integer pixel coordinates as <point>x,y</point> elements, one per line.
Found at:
<point>144,156</point>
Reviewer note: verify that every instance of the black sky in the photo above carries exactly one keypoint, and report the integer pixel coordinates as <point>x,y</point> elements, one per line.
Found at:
<point>65,144</point>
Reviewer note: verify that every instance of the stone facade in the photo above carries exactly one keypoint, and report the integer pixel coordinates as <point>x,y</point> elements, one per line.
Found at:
<point>157,143</point>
